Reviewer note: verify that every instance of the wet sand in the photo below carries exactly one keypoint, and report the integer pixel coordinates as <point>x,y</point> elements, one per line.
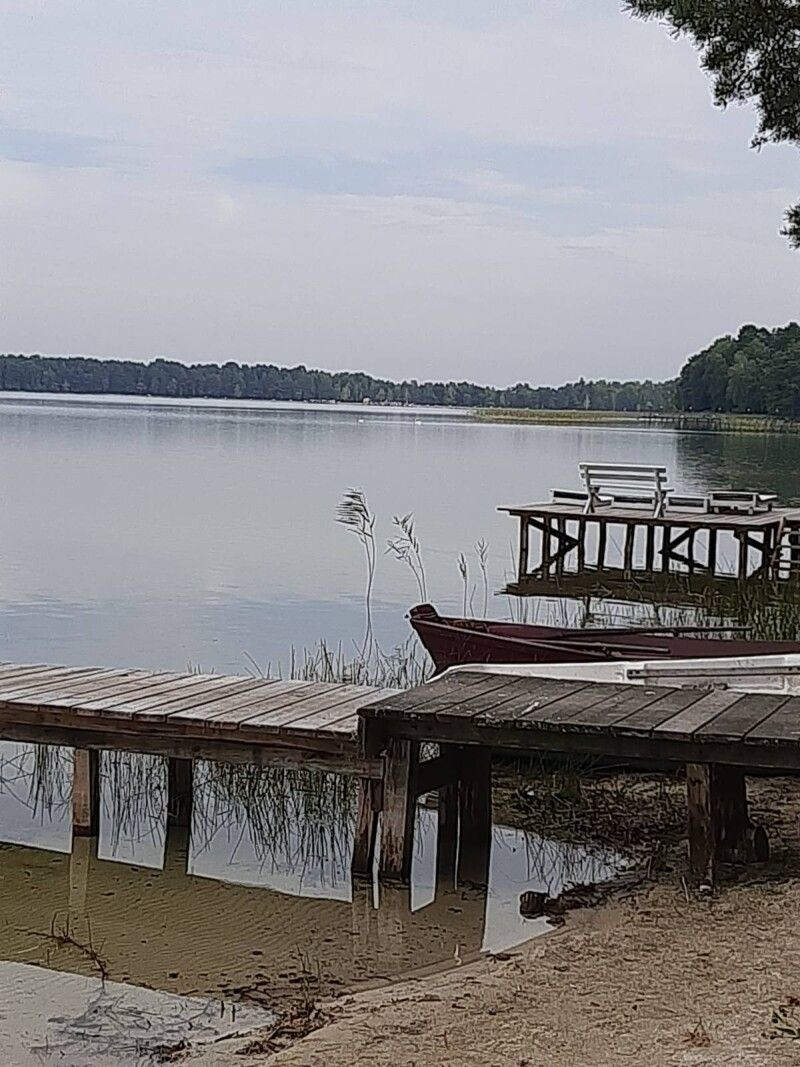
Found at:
<point>658,976</point>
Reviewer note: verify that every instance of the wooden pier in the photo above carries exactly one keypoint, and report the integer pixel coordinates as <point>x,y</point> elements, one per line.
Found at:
<point>380,737</point>
<point>765,544</point>
<point>716,734</point>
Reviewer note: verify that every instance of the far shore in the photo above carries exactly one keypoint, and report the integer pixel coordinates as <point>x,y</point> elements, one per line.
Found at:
<point>698,422</point>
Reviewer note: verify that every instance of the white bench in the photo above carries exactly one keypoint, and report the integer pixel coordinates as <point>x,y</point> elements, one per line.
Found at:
<point>748,501</point>
<point>625,483</point>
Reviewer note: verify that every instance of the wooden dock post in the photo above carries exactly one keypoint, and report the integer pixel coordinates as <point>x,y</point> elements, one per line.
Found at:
<point>630,540</point>
<point>524,546</point>
<point>399,805</point>
<point>741,572</point>
<point>180,780</point>
<point>366,832</point>
<point>447,836</point>
<point>86,793</point>
<point>711,560</point>
<point>580,534</point>
<point>719,826</point>
<point>602,536</point>
<point>649,547</point>
<point>475,817</point>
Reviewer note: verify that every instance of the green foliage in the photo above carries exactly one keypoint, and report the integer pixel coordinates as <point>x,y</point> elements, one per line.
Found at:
<point>57,374</point>
<point>751,49</point>
<point>757,371</point>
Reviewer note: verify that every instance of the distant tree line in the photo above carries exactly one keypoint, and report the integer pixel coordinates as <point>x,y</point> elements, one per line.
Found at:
<point>55,374</point>
<point>757,371</point>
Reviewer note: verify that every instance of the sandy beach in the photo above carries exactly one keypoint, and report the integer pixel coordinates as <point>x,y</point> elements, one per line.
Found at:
<point>658,975</point>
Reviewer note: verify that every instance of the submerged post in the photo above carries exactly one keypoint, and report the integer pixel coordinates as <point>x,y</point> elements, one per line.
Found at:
<point>180,781</point>
<point>366,832</point>
<point>475,817</point>
<point>86,792</point>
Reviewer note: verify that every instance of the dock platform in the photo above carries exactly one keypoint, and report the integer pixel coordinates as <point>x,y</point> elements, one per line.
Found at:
<point>717,734</point>
<point>766,543</point>
<point>236,718</point>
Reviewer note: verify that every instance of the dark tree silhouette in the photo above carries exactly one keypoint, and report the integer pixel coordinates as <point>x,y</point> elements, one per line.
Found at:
<point>751,49</point>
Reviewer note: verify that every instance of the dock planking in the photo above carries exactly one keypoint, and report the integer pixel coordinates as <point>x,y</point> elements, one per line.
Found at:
<point>718,735</point>
<point>652,722</point>
<point>119,706</point>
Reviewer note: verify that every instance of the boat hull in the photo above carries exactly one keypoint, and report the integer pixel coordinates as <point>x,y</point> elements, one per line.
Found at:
<point>453,642</point>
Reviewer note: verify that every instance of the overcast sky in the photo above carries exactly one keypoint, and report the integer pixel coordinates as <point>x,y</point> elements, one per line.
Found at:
<point>482,189</point>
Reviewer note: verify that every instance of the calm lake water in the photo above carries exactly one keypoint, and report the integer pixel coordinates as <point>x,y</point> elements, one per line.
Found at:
<point>154,534</point>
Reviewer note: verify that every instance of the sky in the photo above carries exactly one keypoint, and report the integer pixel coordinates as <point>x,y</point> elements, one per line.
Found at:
<point>494,191</point>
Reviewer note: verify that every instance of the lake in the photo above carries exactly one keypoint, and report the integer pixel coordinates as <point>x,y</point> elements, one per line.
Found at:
<point>149,533</point>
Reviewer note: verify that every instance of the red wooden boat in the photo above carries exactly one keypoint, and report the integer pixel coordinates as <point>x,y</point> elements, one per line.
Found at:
<point>454,641</point>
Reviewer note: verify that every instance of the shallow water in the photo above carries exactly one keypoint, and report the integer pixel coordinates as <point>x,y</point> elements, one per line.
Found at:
<point>256,903</point>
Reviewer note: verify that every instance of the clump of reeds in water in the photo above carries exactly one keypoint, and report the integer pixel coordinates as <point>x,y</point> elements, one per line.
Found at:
<point>134,797</point>
<point>300,819</point>
<point>39,777</point>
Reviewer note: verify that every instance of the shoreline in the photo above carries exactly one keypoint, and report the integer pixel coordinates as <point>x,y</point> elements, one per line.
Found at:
<point>687,422</point>
<point>656,974</point>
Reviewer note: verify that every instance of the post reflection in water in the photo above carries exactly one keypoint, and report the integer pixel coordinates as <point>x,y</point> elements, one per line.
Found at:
<point>254,899</point>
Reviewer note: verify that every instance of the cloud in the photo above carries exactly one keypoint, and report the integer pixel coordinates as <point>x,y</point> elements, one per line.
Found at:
<point>430,189</point>
<point>49,149</point>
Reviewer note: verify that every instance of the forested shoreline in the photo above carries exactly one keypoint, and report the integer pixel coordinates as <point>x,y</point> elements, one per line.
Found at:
<point>757,372</point>
<point>76,374</point>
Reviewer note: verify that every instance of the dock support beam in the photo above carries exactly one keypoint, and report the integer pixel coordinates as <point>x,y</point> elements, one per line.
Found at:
<point>86,793</point>
<point>462,777</point>
<point>399,804</point>
<point>180,780</point>
<point>366,832</point>
<point>719,827</point>
<point>475,817</point>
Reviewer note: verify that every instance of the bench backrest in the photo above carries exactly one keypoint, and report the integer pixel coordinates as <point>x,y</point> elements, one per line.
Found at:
<point>639,476</point>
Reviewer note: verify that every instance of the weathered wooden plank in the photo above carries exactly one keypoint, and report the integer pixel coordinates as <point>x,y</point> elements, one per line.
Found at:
<point>740,718</point>
<point>211,697</point>
<point>782,725</point>
<point>136,690</point>
<point>697,715</point>
<point>328,698</point>
<point>281,708</point>
<point>225,704</point>
<point>460,705</point>
<point>524,697</point>
<point>12,672</point>
<point>341,716</point>
<point>647,718</point>
<point>605,715</point>
<point>447,689</point>
<point>156,705</point>
<point>559,712</point>
<point>70,694</point>
<point>41,682</point>
<point>518,697</point>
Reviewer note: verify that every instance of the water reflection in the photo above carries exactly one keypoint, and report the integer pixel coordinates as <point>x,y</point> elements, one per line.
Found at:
<point>255,901</point>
